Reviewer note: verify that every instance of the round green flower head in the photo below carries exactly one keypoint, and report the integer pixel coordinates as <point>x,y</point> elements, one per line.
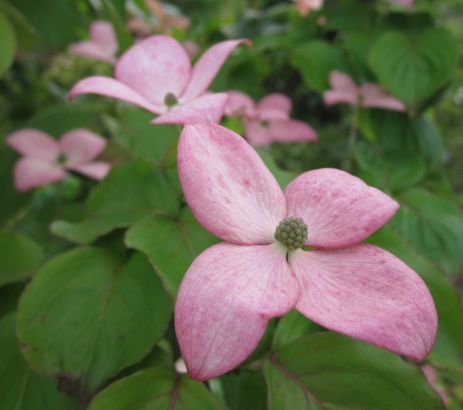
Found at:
<point>292,232</point>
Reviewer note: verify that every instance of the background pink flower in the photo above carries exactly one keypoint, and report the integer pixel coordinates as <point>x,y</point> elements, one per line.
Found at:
<point>232,289</point>
<point>306,6</point>
<point>345,91</point>
<point>156,74</point>
<point>46,160</point>
<point>404,3</point>
<point>102,44</point>
<point>268,121</point>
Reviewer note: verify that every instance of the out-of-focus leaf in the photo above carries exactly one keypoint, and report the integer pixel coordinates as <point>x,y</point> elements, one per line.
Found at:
<point>156,388</point>
<point>290,327</point>
<point>413,67</point>
<point>21,388</point>
<point>56,22</point>
<point>87,314</point>
<point>394,170</point>
<point>434,227</point>
<point>448,349</point>
<point>8,43</point>
<point>143,140</point>
<point>171,245</point>
<point>25,33</point>
<point>328,369</point>
<point>245,391</point>
<point>129,193</point>
<point>61,118</point>
<point>315,60</point>
<point>283,177</point>
<point>114,12</point>
<point>19,257</point>
<point>348,16</point>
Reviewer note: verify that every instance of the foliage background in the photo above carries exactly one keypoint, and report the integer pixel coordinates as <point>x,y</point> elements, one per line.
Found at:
<point>107,258</point>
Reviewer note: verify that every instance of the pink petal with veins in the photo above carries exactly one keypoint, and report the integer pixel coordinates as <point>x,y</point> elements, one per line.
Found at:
<point>207,67</point>
<point>367,293</point>
<point>225,300</point>
<point>112,88</point>
<point>228,187</point>
<point>155,67</point>
<point>339,209</point>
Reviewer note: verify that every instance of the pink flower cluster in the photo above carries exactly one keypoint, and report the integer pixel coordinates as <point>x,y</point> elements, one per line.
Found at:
<point>268,121</point>
<point>300,248</point>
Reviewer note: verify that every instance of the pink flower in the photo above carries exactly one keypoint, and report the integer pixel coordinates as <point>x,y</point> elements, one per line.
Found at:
<point>232,289</point>
<point>345,91</point>
<point>46,160</point>
<point>156,74</point>
<point>102,44</point>
<point>306,6</point>
<point>405,3</point>
<point>268,121</point>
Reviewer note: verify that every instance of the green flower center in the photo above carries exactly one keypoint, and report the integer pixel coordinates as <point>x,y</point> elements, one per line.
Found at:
<point>292,233</point>
<point>170,100</point>
<point>61,160</point>
<point>264,123</point>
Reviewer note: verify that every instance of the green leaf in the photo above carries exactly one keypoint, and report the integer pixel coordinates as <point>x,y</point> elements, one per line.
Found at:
<point>143,140</point>
<point>448,349</point>
<point>8,46</point>
<point>156,388</point>
<point>434,227</point>
<point>20,256</point>
<point>171,245</point>
<point>128,194</point>
<point>24,32</point>
<point>87,314</point>
<point>245,391</point>
<point>21,388</point>
<point>315,60</point>
<point>328,369</point>
<point>282,176</point>
<point>290,327</point>
<point>413,67</point>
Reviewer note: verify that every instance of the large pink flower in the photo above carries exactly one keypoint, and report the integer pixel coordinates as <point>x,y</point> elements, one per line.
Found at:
<point>345,91</point>
<point>232,289</point>
<point>102,44</point>
<point>268,121</point>
<point>156,74</point>
<point>46,160</point>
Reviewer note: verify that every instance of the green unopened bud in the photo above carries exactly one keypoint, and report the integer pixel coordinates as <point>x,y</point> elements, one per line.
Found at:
<point>292,233</point>
<point>170,100</point>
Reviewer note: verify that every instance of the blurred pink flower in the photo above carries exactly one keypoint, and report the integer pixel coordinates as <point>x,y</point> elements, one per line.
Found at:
<point>46,160</point>
<point>306,6</point>
<point>232,289</point>
<point>156,74</point>
<point>102,44</point>
<point>268,121</point>
<point>404,3</point>
<point>345,91</point>
<point>191,48</point>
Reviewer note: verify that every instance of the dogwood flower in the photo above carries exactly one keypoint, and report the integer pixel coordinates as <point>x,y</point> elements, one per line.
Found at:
<point>46,160</point>
<point>232,289</point>
<point>345,91</point>
<point>268,121</point>
<point>102,44</point>
<point>306,6</point>
<point>156,74</point>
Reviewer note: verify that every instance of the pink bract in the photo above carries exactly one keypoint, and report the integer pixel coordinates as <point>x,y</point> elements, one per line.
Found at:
<point>345,91</point>
<point>232,289</point>
<point>46,160</point>
<point>306,6</point>
<point>156,74</point>
<point>269,120</point>
<point>102,44</point>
